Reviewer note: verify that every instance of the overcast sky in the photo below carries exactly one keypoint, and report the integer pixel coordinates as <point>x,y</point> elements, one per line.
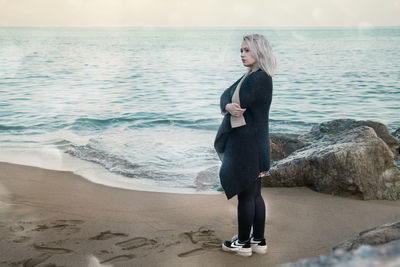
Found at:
<point>253,13</point>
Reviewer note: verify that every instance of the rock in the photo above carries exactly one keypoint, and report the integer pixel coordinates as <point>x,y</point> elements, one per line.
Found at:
<point>336,126</point>
<point>375,236</point>
<point>342,161</point>
<point>208,178</point>
<point>378,246</point>
<point>366,255</point>
<point>396,134</point>
<point>282,146</point>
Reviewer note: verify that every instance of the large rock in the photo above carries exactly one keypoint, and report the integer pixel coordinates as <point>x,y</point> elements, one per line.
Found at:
<point>397,135</point>
<point>378,246</point>
<point>372,256</point>
<point>207,179</point>
<point>336,126</point>
<point>344,159</point>
<point>282,146</point>
<point>375,236</point>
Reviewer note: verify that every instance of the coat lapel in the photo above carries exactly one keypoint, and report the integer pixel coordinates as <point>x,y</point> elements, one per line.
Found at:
<point>233,87</point>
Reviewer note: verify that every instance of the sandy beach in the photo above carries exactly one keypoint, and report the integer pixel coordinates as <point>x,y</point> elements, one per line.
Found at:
<point>56,218</point>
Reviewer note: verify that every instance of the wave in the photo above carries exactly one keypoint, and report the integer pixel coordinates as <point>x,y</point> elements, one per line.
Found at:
<point>142,120</point>
<point>22,128</point>
<point>37,76</point>
<point>109,161</point>
<point>206,179</point>
<point>204,124</point>
<point>278,121</point>
<point>92,124</point>
<point>12,127</point>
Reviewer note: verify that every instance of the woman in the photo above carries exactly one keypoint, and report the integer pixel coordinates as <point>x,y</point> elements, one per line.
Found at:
<point>242,143</point>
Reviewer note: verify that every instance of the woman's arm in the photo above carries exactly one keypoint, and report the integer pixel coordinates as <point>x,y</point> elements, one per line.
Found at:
<point>226,97</point>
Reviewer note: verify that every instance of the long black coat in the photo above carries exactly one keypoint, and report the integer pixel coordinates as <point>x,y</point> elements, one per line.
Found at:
<point>245,149</point>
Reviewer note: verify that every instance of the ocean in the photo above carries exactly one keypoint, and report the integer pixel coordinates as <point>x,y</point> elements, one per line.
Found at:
<point>138,108</point>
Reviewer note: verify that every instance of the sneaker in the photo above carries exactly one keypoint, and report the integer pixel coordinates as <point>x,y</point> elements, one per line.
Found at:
<point>258,246</point>
<point>242,249</point>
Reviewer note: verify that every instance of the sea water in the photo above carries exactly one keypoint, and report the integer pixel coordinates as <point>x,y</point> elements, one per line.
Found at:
<point>139,107</point>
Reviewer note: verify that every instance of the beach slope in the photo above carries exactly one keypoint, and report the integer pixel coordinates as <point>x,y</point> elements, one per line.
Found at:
<point>56,218</point>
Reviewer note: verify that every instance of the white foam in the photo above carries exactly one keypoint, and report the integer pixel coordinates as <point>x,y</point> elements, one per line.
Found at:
<point>54,159</point>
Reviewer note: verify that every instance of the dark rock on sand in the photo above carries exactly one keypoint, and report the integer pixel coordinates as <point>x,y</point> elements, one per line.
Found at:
<point>378,246</point>
<point>375,236</point>
<point>342,157</point>
<point>371,256</point>
<point>207,179</point>
<point>282,146</point>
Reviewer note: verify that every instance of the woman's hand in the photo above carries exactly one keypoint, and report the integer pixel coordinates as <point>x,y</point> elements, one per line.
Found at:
<point>264,174</point>
<point>234,109</point>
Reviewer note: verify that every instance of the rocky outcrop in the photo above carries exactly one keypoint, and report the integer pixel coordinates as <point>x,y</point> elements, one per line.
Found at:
<point>207,179</point>
<point>375,236</point>
<point>337,126</point>
<point>397,135</point>
<point>282,146</point>
<point>371,256</point>
<point>342,157</point>
<point>378,246</point>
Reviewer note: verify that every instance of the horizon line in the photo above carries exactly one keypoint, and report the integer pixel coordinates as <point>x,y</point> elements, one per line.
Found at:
<point>193,26</point>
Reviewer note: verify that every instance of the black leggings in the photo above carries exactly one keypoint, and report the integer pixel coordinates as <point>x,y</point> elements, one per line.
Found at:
<point>251,211</point>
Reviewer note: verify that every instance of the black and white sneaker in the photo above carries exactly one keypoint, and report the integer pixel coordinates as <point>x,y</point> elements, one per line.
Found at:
<point>242,249</point>
<point>258,246</point>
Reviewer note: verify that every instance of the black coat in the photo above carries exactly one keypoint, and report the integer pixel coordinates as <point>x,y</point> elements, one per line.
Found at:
<point>245,149</point>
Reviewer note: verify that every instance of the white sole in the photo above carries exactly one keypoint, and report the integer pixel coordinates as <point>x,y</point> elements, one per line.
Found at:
<point>259,249</point>
<point>245,252</point>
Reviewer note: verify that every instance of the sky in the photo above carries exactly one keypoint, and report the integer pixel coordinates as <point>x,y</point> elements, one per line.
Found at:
<point>201,13</point>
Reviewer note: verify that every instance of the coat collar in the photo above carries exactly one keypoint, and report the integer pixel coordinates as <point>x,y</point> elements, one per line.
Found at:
<point>237,82</point>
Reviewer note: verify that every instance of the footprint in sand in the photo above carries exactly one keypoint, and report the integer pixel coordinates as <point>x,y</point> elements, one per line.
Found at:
<point>119,258</point>
<point>52,250</point>
<point>107,235</point>
<point>204,237</point>
<point>21,239</point>
<point>32,262</point>
<point>47,253</point>
<point>16,228</point>
<point>135,242</point>
<point>60,225</point>
<point>104,251</point>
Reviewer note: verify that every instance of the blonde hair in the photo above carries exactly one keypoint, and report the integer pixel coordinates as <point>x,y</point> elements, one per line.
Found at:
<point>261,50</point>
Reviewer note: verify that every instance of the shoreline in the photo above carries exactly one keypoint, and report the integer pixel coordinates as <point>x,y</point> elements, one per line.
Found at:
<point>56,217</point>
<point>53,158</point>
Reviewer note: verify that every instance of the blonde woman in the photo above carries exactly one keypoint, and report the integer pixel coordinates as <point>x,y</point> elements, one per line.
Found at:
<point>242,143</point>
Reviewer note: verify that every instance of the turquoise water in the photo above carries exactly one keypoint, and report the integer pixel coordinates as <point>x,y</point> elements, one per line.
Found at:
<point>144,102</point>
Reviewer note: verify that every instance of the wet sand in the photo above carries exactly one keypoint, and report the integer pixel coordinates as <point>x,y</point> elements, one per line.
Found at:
<point>56,218</point>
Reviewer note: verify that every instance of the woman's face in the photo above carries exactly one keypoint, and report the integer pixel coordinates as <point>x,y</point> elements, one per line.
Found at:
<point>247,59</point>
